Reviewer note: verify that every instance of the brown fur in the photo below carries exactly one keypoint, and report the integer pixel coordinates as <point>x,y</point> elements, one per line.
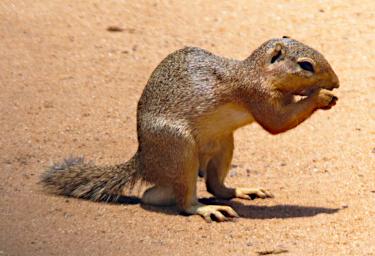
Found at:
<point>187,114</point>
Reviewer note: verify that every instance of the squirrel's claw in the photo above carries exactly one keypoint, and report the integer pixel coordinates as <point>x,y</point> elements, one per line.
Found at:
<point>211,213</point>
<point>252,193</point>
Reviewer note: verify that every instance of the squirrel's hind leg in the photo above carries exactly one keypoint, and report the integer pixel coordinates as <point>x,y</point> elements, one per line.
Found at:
<point>160,196</point>
<point>171,161</point>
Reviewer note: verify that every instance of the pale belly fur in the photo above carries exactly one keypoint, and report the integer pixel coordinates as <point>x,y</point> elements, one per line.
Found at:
<point>217,127</point>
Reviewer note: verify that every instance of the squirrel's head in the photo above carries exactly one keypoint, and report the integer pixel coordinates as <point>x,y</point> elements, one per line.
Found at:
<point>293,67</point>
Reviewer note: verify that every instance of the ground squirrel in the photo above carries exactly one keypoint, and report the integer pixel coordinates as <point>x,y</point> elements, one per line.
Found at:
<point>186,116</point>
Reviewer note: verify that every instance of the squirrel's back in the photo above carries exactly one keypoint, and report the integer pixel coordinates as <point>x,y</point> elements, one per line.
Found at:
<point>185,83</point>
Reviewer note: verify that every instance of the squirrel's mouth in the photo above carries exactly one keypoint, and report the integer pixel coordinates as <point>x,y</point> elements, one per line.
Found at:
<point>311,90</point>
<point>306,92</point>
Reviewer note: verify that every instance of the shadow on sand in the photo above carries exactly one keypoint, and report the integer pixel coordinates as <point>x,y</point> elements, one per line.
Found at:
<point>245,211</point>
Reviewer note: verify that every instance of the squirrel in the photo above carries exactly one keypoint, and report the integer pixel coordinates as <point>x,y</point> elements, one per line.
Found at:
<point>190,107</point>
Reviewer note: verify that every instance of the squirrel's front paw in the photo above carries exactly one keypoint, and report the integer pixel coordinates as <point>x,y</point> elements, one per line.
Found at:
<point>325,99</point>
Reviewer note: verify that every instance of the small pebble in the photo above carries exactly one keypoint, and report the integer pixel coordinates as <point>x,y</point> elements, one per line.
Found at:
<point>115,29</point>
<point>275,251</point>
<point>247,172</point>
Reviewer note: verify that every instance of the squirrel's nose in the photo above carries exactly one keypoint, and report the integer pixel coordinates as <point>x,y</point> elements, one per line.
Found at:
<point>335,81</point>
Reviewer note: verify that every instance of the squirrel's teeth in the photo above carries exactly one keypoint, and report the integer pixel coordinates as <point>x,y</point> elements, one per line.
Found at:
<point>299,97</point>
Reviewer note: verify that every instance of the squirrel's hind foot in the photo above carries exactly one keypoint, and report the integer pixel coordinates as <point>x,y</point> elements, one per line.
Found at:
<point>211,213</point>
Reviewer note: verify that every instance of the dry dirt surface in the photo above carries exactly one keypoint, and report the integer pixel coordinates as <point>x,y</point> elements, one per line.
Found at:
<point>71,73</point>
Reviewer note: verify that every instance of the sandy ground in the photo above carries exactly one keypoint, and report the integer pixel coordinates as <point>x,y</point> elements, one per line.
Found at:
<point>70,87</point>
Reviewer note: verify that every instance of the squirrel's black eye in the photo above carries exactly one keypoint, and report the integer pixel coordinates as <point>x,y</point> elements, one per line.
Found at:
<point>305,65</point>
<point>276,57</point>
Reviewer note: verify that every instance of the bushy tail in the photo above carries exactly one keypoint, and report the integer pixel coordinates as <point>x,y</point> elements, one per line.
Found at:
<point>73,177</point>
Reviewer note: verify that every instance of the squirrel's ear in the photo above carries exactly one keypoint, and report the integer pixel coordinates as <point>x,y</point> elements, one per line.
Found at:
<point>277,52</point>
<point>279,46</point>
